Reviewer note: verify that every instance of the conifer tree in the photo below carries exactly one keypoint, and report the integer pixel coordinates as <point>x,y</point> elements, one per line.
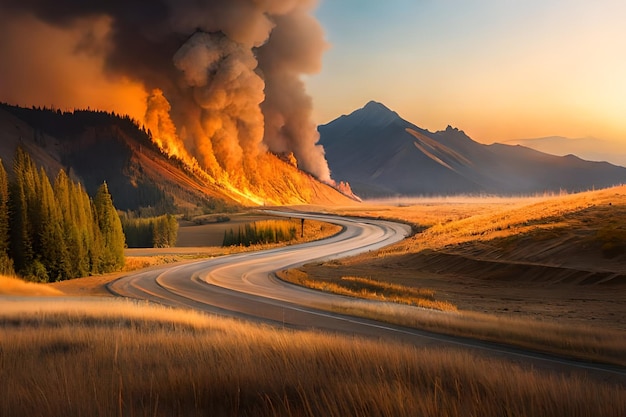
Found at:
<point>54,233</point>
<point>90,232</point>
<point>172,230</point>
<point>74,223</point>
<point>6,263</point>
<point>52,253</point>
<point>21,248</point>
<point>113,242</point>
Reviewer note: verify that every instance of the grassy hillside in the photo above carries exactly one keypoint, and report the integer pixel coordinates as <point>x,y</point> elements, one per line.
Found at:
<point>546,273</point>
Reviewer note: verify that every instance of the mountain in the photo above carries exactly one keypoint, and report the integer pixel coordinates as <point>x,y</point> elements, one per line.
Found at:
<point>381,155</point>
<point>94,146</point>
<point>591,149</point>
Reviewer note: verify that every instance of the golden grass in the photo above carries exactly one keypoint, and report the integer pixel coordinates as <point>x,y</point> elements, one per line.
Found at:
<point>370,289</point>
<point>583,342</point>
<point>134,263</point>
<point>470,244</point>
<point>17,286</point>
<point>117,358</point>
<point>483,221</point>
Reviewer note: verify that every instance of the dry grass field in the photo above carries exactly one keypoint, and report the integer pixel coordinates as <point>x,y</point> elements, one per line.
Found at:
<point>115,358</point>
<point>543,273</point>
<point>522,271</point>
<point>18,287</point>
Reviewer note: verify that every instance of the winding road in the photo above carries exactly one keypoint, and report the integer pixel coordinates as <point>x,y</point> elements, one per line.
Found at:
<point>244,286</point>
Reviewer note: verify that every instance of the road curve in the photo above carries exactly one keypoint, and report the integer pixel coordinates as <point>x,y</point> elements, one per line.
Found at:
<point>244,285</point>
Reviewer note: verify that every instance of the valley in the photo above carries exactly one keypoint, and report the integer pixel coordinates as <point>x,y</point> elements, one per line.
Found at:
<point>510,260</point>
<point>438,257</point>
<point>312,208</point>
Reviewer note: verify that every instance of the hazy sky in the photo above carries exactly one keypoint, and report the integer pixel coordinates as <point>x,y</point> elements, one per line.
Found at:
<point>498,69</point>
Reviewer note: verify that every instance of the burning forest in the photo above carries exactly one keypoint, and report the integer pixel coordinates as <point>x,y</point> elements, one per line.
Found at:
<point>217,82</point>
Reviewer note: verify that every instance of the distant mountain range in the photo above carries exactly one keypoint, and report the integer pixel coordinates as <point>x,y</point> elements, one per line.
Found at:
<point>382,155</point>
<point>94,146</point>
<point>591,149</point>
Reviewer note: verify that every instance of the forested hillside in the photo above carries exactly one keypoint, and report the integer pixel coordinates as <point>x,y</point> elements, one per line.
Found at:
<point>52,232</point>
<point>97,146</point>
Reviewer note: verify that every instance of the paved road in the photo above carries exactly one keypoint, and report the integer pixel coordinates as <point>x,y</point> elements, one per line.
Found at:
<point>243,285</point>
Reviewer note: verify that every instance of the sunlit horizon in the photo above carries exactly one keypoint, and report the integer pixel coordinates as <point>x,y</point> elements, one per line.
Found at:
<point>498,70</point>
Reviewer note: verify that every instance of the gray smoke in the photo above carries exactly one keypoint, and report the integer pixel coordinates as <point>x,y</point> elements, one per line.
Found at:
<point>230,69</point>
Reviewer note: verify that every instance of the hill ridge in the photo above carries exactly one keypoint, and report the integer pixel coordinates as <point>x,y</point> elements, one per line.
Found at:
<point>96,146</point>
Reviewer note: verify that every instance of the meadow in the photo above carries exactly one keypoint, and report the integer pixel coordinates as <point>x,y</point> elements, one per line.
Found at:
<point>545,273</point>
<point>117,358</point>
<point>542,273</point>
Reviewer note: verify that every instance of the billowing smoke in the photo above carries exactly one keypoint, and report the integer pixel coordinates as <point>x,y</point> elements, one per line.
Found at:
<point>222,77</point>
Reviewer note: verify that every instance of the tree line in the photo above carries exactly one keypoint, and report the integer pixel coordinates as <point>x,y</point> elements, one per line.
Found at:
<point>52,232</point>
<point>267,231</point>
<point>151,232</point>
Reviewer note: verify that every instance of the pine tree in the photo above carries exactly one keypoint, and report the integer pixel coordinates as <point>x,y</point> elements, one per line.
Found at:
<point>6,263</point>
<point>92,234</point>
<point>21,248</point>
<point>52,253</point>
<point>54,233</point>
<point>74,224</point>
<point>172,230</point>
<point>112,257</point>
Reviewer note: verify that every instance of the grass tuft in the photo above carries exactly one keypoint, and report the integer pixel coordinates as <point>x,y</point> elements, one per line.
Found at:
<point>17,286</point>
<point>370,289</point>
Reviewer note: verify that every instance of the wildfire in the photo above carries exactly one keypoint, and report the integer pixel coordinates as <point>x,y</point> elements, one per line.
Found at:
<point>224,80</point>
<point>160,124</point>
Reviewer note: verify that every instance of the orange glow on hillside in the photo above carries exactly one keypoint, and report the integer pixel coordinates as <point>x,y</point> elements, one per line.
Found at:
<point>219,139</point>
<point>267,180</point>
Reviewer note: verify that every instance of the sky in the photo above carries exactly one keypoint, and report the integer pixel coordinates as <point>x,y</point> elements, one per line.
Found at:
<point>497,69</point>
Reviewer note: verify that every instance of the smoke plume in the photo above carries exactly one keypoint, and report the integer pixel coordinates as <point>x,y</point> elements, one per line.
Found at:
<point>220,80</point>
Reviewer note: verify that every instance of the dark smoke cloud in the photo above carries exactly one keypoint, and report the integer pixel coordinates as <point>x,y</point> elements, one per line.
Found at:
<point>230,68</point>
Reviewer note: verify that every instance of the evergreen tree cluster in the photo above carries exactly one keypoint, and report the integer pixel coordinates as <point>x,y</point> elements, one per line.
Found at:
<point>51,232</point>
<point>152,232</point>
<point>262,232</point>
